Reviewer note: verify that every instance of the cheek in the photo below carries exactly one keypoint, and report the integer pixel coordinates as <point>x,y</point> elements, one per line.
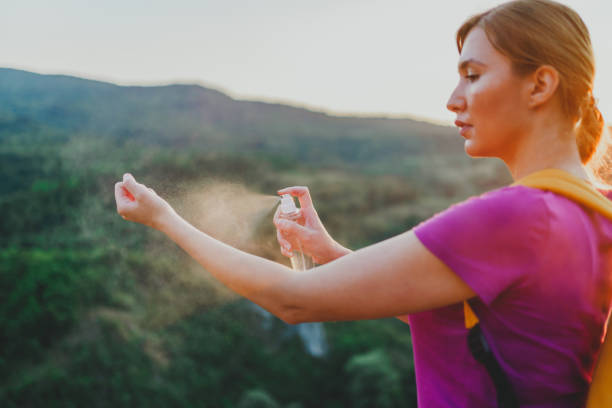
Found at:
<point>496,107</point>
<point>488,97</point>
<point>493,107</point>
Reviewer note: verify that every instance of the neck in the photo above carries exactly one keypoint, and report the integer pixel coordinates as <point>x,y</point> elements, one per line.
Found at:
<point>544,146</point>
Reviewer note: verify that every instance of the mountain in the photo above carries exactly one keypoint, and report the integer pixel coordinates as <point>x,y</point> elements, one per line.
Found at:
<point>194,117</point>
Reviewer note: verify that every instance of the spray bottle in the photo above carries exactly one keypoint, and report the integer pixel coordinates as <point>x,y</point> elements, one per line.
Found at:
<point>288,211</point>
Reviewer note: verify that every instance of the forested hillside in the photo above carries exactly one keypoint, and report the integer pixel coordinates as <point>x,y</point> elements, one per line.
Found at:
<point>100,312</point>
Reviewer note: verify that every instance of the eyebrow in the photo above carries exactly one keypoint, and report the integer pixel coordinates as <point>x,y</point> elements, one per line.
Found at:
<point>463,65</point>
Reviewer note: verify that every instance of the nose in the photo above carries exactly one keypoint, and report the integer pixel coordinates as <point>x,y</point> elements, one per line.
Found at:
<point>456,102</point>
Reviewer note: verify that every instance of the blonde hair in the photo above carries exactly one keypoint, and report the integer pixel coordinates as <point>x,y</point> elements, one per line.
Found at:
<point>532,33</point>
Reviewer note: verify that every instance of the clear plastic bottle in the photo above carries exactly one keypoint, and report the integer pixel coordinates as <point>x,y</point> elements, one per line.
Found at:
<point>288,211</point>
<point>312,334</point>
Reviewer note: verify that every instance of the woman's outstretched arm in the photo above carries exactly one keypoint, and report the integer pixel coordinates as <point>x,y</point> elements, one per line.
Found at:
<point>393,277</point>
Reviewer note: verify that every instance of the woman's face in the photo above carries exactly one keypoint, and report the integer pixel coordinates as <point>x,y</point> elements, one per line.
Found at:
<point>489,100</point>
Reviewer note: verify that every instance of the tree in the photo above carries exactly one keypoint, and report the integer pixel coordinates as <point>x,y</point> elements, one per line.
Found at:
<point>257,398</point>
<point>373,381</point>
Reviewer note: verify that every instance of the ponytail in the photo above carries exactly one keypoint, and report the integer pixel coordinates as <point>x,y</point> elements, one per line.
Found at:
<point>589,129</point>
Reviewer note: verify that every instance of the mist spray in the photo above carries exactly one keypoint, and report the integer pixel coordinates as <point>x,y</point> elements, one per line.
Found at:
<point>288,211</point>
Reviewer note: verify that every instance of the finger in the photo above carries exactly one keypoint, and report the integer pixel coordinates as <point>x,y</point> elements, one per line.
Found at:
<point>287,227</point>
<point>135,188</point>
<point>301,192</point>
<point>286,252</point>
<point>277,216</point>
<point>120,198</point>
<point>128,194</point>
<point>118,193</point>
<point>121,194</point>
<point>284,244</point>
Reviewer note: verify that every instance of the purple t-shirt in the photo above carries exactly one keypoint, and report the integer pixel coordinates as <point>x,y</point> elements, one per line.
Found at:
<point>540,266</point>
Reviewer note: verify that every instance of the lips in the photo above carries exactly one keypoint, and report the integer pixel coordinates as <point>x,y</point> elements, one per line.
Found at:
<point>463,127</point>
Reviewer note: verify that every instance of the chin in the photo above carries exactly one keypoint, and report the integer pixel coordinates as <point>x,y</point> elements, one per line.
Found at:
<point>474,150</point>
<point>471,149</point>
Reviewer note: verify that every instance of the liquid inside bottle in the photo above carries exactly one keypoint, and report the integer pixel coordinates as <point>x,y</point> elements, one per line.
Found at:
<point>301,261</point>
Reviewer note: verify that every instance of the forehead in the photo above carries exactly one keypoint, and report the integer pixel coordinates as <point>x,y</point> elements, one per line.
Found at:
<point>478,47</point>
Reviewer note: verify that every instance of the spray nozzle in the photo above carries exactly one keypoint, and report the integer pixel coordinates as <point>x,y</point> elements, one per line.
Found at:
<point>287,205</point>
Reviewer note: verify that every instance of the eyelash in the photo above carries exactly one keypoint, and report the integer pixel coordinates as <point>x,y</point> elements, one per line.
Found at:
<point>472,77</point>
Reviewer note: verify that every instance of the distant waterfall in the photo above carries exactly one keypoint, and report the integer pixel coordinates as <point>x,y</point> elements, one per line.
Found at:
<point>313,337</point>
<point>311,334</point>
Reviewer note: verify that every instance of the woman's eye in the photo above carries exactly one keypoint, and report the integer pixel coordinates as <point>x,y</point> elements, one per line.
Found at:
<point>472,77</point>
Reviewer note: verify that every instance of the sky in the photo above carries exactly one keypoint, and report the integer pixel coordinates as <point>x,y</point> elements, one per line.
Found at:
<point>389,57</point>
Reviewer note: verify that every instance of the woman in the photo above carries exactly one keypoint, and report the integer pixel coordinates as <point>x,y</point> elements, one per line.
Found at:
<point>529,262</point>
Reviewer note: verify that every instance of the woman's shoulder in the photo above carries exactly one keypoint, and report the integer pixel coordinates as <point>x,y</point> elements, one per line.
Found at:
<point>524,213</point>
<point>507,217</point>
<point>525,202</point>
<point>512,198</point>
<point>522,208</point>
<point>509,204</point>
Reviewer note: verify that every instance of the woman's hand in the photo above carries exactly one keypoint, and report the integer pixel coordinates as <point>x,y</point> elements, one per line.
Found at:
<point>312,236</point>
<point>139,203</point>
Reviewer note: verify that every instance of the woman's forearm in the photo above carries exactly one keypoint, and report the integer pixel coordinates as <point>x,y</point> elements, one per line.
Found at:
<point>258,279</point>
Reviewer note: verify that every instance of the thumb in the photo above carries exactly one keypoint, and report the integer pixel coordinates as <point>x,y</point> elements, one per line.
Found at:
<point>133,187</point>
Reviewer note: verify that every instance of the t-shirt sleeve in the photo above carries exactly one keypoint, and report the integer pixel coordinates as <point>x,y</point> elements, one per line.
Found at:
<point>491,241</point>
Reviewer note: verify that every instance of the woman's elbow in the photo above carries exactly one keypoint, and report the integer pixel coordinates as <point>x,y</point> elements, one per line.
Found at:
<point>279,305</point>
<point>291,314</point>
<point>287,306</point>
<point>289,318</point>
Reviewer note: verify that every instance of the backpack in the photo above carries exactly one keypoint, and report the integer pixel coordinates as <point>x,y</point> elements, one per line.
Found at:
<point>600,391</point>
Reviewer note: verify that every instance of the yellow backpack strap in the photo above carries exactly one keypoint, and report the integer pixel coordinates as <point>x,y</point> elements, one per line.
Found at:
<point>581,192</point>
<point>470,317</point>
<point>563,183</point>
<point>600,392</point>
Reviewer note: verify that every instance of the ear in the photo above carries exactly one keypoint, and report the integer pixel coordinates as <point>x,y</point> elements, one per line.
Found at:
<point>543,83</point>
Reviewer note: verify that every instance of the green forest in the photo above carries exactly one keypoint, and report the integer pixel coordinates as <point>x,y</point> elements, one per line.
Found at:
<point>100,312</point>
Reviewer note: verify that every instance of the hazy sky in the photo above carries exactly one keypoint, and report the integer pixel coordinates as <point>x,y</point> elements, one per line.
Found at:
<point>345,56</point>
